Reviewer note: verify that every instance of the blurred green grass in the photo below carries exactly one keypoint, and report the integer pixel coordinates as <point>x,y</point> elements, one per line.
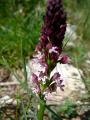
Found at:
<point>78,13</point>
<point>19,21</point>
<point>22,20</point>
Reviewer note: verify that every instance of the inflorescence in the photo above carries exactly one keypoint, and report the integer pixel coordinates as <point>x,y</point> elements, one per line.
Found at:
<point>48,51</point>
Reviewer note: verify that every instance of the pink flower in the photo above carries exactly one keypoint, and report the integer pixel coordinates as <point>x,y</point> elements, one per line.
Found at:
<point>57,80</point>
<point>40,57</point>
<point>34,78</point>
<point>54,53</point>
<point>53,50</point>
<point>56,76</point>
<point>36,89</point>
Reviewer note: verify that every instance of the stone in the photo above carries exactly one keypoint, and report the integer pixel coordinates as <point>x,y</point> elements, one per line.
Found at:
<point>71,32</point>
<point>4,75</point>
<point>7,100</point>
<point>71,35</point>
<point>4,100</point>
<point>74,86</point>
<point>87,62</point>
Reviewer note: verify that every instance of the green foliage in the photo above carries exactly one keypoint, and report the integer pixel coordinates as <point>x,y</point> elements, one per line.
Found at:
<point>22,21</point>
<point>79,15</point>
<point>65,110</point>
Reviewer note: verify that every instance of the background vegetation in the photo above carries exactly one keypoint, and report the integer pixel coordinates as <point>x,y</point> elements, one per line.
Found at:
<point>22,20</point>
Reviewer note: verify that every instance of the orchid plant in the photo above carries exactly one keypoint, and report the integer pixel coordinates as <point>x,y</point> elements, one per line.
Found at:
<point>48,53</point>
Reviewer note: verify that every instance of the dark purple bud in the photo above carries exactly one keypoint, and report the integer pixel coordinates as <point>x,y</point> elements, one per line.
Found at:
<point>49,46</point>
<point>54,56</point>
<point>38,47</point>
<point>54,26</point>
<point>44,40</point>
<point>63,59</point>
<point>63,27</point>
<point>49,31</point>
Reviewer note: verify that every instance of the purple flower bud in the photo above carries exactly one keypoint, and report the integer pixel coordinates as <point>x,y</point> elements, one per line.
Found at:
<point>54,56</point>
<point>54,26</point>
<point>44,40</point>
<point>63,59</point>
<point>38,47</point>
<point>49,46</point>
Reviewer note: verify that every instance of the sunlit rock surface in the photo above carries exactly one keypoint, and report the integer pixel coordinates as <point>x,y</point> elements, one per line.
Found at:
<point>74,86</point>
<point>71,35</point>
<point>87,62</point>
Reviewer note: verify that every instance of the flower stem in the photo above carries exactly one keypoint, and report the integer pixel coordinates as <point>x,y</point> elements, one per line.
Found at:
<point>41,109</point>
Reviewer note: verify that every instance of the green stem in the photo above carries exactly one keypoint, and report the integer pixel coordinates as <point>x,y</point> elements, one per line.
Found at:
<point>41,109</point>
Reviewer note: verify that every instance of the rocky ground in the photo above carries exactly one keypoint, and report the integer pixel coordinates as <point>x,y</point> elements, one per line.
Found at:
<point>74,88</point>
